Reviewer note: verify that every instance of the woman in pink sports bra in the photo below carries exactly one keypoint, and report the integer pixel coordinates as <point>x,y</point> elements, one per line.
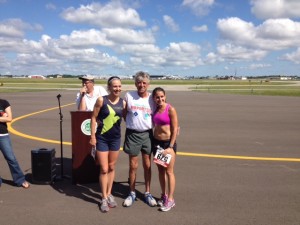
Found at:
<point>165,131</point>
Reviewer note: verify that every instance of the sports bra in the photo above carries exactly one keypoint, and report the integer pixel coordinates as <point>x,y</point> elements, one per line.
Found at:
<point>162,118</point>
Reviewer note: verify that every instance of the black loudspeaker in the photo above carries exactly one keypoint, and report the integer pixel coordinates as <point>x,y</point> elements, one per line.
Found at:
<point>43,165</point>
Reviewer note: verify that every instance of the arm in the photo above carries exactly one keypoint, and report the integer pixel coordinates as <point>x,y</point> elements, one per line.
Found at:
<point>124,110</point>
<point>174,126</point>
<point>7,115</point>
<point>95,113</point>
<point>81,101</point>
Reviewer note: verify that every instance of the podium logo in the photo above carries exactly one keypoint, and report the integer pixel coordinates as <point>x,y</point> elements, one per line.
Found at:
<point>86,127</point>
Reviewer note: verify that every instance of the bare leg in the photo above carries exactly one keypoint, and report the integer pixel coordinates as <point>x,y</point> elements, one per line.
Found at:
<point>112,159</point>
<point>133,165</point>
<point>147,171</point>
<point>171,177</point>
<point>162,178</point>
<point>103,161</point>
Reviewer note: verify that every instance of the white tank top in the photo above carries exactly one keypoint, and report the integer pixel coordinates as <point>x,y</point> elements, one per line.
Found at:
<point>139,111</point>
<point>91,100</point>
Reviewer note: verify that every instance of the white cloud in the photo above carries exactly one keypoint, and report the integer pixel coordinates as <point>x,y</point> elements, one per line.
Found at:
<point>273,34</point>
<point>170,23</point>
<point>280,29</point>
<point>64,54</point>
<point>83,39</point>
<point>212,58</point>
<point>110,15</point>
<point>202,28</point>
<point>236,29</point>
<point>183,54</point>
<point>35,59</point>
<point>255,66</point>
<point>16,46</point>
<point>10,31</point>
<point>293,57</point>
<point>15,28</point>
<point>125,36</point>
<point>199,7</point>
<point>4,63</point>
<point>108,37</point>
<point>265,9</point>
<point>140,50</point>
<point>239,53</point>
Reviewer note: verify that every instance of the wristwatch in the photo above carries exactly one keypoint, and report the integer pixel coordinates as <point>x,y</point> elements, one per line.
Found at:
<point>171,146</point>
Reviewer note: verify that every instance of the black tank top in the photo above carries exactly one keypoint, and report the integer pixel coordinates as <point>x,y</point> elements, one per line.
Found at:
<point>110,117</point>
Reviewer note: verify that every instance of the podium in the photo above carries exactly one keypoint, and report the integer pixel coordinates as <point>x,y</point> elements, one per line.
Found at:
<point>84,168</point>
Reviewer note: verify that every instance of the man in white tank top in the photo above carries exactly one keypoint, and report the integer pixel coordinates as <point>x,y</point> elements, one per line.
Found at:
<point>138,136</point>
<point>88,94</point>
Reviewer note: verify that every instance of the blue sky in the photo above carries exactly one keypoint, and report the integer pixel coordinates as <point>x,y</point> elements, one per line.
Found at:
<point>179,37</point>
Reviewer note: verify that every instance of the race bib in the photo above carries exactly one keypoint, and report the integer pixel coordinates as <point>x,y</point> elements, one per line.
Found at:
<point>93,152</point>
<point>161,159</point>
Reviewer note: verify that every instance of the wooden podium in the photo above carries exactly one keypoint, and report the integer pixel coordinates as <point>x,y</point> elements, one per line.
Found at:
<point>84,167</point>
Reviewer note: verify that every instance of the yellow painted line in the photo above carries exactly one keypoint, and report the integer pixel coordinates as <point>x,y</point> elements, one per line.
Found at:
<point>13,131</point>
<point>239,157</point>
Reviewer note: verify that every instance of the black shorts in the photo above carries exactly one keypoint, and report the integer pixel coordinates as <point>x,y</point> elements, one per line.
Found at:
<point>164,144</point>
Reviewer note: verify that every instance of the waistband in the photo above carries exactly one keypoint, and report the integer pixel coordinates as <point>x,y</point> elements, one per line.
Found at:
<point>136,131</point>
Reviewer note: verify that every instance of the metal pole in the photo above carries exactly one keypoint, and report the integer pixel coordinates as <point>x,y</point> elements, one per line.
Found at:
<point>61,138</point>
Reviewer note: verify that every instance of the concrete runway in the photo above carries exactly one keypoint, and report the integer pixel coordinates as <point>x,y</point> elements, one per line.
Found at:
<point>245,166</point>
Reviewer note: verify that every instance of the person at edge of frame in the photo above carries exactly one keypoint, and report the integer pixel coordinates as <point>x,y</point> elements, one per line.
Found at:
<point>6,146</point>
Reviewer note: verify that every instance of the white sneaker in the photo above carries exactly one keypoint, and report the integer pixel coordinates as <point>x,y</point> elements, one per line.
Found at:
<point>150,200</point>
<point>111,201</point>
<point>104,206</point>
<point>130,199</point>
<point>168,206</point>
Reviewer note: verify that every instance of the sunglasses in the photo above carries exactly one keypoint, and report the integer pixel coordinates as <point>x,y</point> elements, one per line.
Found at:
<point>87,82</point>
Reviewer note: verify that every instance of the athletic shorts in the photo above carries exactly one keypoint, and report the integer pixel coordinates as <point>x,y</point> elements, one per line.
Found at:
<point>104,145</point>
<point>163,144</point>
<point>136,142</point>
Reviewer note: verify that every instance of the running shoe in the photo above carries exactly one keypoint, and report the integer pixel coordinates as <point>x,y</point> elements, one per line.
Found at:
<point>104,205</point>
<point>111,201</point>
<point>150,200</point>
<point>130,199</point>
<point>162,200</point>
<point>168,206</point>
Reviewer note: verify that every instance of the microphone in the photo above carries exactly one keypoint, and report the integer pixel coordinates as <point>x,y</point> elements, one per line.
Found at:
<point>58,96</point>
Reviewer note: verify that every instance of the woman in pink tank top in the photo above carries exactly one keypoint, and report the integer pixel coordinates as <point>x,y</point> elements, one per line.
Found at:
<point>165,131</point>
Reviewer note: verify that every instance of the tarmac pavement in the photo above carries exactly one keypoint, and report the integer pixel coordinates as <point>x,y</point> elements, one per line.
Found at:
<point>216,185</point>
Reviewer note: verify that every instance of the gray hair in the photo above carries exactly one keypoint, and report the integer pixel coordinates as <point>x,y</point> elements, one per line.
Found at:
<point>139,76</point>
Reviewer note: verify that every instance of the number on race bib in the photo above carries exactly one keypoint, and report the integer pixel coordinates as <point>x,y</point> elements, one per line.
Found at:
<point>160,158</point>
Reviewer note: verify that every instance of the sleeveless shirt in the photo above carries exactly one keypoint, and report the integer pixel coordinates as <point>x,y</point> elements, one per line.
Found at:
<point>162,118</point>
<point>110,117</point>
<point>139,111</point>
